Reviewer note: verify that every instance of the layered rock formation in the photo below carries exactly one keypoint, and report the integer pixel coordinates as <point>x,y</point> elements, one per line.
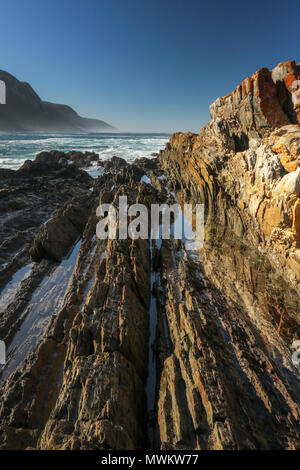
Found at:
<point>25,111</point>
<point>148,344</point>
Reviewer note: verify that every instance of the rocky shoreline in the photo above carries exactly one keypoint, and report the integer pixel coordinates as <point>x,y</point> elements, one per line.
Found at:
<point>141,344</point>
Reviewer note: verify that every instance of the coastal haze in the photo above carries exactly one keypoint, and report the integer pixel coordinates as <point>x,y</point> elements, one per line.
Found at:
<point>29,125</point>
<point>24,110</point>
<point>125,343</point>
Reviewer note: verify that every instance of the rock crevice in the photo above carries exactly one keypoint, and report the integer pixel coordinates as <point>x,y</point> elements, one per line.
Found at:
<point>221,374</point>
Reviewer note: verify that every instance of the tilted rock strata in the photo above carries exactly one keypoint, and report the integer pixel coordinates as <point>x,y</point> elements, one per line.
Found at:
<point>244,168</point>
<point>225,317</point>
<point>261,103</point>
<point>95,348</point>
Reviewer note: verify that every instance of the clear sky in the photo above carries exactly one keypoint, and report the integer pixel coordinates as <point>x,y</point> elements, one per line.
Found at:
<point>144,65</point>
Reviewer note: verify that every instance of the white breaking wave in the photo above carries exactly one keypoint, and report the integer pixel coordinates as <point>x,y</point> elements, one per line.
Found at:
<point>16,148</point>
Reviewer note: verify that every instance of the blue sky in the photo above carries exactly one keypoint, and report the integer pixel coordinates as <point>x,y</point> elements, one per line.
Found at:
<point>144,65</point>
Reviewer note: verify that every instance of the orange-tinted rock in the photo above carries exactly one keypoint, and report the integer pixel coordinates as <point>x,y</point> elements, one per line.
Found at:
<point>286,76</point>
<point>285,141</point>
<point>296,220</point>
<point>252,108</point>
<point>220,366</point>
<point>261,103</point>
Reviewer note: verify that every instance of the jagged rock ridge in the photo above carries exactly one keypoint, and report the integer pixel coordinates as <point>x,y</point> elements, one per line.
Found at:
<point>224,317</point>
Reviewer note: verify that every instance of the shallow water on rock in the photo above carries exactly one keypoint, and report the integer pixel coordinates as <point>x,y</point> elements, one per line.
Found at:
<point>151,377</point>
<point>10,290</point>
<point>45,302</point>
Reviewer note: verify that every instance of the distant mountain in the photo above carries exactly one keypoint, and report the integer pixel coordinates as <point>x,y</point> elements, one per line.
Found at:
<point>25,111</point>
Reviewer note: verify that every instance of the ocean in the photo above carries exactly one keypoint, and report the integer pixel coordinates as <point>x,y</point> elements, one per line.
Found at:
<point>15,148</point>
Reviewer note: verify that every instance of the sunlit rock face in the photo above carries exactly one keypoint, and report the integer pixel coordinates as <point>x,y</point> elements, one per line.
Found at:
<point>244,166</point>
<point>148,344</point>
<point>248,148</point>
<point>265,101</point>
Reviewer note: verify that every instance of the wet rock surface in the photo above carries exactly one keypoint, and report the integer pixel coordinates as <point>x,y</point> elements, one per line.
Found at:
<point>147,344</point>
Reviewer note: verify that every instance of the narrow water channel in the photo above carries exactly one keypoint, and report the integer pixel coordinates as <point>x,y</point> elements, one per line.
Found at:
<point>45,302</point>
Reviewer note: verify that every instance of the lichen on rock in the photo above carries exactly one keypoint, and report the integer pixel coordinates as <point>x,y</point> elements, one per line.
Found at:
<point>225,316</point>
